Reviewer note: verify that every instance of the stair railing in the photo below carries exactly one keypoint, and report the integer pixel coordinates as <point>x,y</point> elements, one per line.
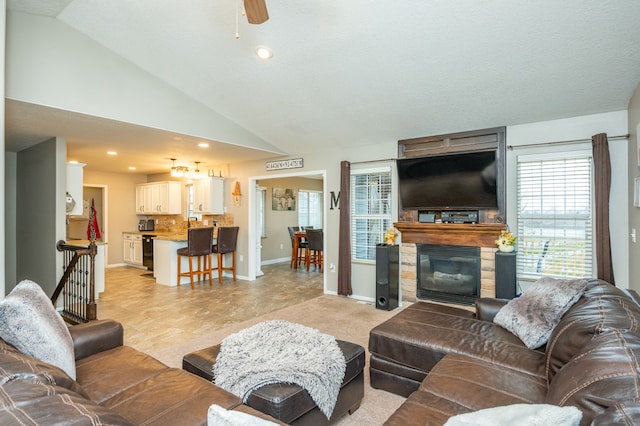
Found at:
<point>77,285</point>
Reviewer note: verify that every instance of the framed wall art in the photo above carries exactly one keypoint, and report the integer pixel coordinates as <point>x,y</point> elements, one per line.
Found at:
<point>283,199</point>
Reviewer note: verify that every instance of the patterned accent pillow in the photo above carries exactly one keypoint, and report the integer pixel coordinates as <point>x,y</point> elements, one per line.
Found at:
<point>29,322</point>
<point>533,316</point>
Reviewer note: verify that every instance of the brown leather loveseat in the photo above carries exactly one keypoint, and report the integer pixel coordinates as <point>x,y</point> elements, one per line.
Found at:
<point>448,361</point>
<point>115,384</point>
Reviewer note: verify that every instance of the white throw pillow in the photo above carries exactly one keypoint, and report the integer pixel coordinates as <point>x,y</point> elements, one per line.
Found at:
<point>519,414</point>
<point>29,321</point>
<point>218,416</point>
<point>533,316</point>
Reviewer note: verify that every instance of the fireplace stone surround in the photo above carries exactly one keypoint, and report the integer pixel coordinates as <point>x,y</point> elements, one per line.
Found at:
<point>475,235</point>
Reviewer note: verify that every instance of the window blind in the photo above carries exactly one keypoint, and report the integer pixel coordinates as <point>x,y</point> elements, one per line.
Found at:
<point>555,210</point>
<point>370,211</point>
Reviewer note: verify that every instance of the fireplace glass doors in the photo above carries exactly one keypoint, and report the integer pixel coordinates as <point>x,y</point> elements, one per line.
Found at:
<point>448,273</point>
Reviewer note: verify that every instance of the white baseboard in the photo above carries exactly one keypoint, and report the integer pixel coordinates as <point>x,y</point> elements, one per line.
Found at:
<point>274,261</point>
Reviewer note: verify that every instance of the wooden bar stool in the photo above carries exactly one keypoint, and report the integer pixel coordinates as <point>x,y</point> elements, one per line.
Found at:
<point>198,245</point>
<point>226,243</point>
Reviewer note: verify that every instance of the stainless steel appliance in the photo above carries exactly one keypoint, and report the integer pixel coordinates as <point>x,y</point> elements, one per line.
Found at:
<point>147,251</point>
<point>146,225</point>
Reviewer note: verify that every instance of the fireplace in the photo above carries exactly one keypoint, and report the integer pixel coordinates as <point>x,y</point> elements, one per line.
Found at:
<point>448,273</point>
<point>481,236</point>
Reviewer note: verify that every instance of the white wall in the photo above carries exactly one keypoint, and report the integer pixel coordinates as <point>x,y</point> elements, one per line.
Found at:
<point>581,128</point>
<point>633,161</point>
<point>49,63</point>
<point>40,223</point>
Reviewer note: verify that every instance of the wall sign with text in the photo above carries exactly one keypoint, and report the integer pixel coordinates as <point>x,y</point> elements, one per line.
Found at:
<point>294,163</point>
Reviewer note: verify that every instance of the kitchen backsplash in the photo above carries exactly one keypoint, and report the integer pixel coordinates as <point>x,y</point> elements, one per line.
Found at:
<point>176,223</point>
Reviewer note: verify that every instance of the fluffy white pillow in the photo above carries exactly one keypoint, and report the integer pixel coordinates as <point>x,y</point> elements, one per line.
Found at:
<point>29,321</point>
<point>218,416</point>
<point>519,414</point>
<point>533,316</point>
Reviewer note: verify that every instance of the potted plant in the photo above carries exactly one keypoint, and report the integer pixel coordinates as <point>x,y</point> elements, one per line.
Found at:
<point>506,241</point>
<point>390,236</point>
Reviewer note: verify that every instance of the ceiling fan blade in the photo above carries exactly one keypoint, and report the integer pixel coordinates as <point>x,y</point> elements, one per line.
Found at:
<point>256,11</point>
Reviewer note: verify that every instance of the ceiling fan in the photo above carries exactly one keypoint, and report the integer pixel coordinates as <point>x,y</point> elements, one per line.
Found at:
<point>256,11</point>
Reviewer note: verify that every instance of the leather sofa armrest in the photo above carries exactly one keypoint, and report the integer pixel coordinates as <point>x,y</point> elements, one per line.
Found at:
<point>95,337</point>
<point>487,308</point>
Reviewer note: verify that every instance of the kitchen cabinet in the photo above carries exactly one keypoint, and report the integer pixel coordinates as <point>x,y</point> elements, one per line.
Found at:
<point>74,189</point>
<point>159,198</point>
<point>132,248</point>
<point>208,196</point>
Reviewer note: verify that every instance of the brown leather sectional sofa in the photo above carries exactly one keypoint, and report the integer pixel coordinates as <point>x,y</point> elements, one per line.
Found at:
<point>115,385</point>
<point>449,361</point>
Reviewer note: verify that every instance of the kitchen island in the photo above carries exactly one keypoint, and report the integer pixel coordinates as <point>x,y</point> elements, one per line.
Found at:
<point>165,259</point>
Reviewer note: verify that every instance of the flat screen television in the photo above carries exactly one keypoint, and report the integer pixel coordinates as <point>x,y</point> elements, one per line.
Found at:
<point>451,181</point>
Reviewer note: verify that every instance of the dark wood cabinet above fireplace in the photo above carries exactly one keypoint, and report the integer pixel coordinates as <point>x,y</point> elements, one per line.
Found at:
<point>437,187</point>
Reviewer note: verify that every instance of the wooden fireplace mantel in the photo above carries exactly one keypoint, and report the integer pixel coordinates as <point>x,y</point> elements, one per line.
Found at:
<point>455,234</point>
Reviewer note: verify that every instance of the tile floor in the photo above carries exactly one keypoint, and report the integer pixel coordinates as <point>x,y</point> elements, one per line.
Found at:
<point>156,316</point>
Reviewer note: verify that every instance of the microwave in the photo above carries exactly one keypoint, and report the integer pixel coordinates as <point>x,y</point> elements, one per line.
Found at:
<point>146,225</point>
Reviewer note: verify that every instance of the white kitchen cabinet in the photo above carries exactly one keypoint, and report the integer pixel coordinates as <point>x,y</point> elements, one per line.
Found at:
<point>132,249</point>
<point>208,196</point>
<point>74,189</point>
<point>159,198</point>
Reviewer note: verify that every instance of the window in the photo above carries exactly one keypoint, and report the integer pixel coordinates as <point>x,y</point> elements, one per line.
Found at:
<point>555,231</point>
<point>190,200</point>
<point>370,211</point>
<point>310,208</point>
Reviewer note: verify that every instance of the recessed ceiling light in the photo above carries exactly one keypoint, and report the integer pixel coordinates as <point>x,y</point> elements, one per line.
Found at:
<point>203,145</point>
<point>264,52</point>
<point>132,168</point>
<point>112,153</point>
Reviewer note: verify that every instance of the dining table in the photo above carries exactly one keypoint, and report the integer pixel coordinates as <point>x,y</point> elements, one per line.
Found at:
<point>298,237</point>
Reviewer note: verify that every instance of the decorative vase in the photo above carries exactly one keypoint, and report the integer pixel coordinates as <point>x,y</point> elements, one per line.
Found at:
<point>505,248</point>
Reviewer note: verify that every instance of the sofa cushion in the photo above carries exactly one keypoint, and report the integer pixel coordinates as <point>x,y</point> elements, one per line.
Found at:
<point>602,306</point>
<point>479,384</point>
<point>459,384</point>
<point>29,401</point>
<point>602,374</point>
<point>533,316</point>
<point>171,397</point>
<point>111,372</point>
<point>29,322</point>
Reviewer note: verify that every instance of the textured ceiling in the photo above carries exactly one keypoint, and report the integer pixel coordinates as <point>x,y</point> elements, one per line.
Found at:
<point>357,72</point>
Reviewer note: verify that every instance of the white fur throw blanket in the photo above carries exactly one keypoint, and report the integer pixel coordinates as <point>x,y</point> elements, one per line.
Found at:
<point>521,415</point>
<point>281,352</point>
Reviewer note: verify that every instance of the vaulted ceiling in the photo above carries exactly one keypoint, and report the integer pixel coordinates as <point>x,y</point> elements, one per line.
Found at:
<point>354,73</point>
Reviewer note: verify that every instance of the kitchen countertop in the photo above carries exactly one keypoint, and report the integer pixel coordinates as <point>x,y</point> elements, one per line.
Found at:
<point>157,233</point>
<point>83,243</point>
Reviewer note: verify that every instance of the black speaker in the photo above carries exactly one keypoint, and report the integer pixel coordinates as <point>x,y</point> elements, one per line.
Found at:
<point>505,275</point>
<point>387,276</point>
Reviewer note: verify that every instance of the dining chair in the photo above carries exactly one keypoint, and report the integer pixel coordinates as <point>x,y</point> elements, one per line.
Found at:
<point>302,247</point>
<point>315,247</point>
<point>199,246</point>
<point>226,242</point>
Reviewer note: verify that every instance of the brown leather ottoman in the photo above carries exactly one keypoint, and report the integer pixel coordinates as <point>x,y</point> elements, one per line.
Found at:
<point>290,403</point>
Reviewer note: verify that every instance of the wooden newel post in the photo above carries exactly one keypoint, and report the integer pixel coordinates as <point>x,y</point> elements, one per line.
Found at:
<point>92,309</point>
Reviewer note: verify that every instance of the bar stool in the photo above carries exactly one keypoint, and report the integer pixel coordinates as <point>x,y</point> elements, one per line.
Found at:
<point>198,245</point>
<point>226,243</point>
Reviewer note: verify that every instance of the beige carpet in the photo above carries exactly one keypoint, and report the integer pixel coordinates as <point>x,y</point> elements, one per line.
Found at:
<point>344,318</point>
